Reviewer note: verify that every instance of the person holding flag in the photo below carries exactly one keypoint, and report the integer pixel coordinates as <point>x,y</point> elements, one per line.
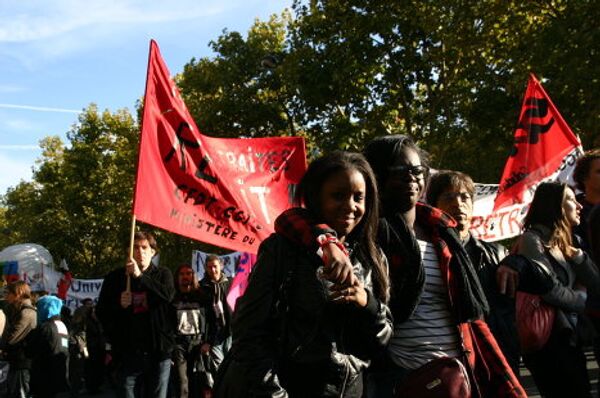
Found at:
<point>139,321</point>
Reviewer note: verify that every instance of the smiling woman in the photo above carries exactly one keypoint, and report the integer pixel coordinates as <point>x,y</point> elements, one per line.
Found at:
<point>296,333</point>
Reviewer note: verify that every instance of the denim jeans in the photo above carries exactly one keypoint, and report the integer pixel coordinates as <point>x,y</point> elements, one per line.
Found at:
<point>143,376</point>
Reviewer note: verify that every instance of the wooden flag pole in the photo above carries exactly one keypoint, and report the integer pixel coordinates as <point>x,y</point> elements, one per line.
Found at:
<point>128,288</point>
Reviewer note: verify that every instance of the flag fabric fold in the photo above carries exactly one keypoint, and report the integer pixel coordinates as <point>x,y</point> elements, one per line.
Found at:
<point>544,149</point>
<point>542,140</point>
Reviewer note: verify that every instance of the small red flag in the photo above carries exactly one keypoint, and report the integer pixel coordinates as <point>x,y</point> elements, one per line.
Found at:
<point>542,140</point>
<point>240,281</point>
<point>225,192</point>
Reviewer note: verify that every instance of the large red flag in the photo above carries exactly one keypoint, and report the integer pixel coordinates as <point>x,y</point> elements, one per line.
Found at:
<point>542,141</point>
<point>225,192</point>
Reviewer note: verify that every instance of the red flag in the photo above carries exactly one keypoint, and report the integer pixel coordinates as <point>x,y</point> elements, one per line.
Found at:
<point>542,141</point>
<point>225,192</point>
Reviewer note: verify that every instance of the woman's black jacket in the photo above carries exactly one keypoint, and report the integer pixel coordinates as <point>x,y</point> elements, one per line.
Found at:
<point>289,339</point>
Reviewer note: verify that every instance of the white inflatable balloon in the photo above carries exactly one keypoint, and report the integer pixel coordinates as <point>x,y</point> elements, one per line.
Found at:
<point>34,264</point>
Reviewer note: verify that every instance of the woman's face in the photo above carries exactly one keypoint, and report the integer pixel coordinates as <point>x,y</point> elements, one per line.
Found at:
<point>342,201</point>
<point>405,182</point>
<point>571,208</point>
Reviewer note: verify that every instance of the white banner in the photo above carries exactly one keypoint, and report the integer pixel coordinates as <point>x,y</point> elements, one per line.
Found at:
<point>82,289</point>
<point>507,221</point>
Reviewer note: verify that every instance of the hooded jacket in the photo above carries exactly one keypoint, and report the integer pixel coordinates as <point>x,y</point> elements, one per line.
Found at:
<point>218,313</point>
<point>48,346</point>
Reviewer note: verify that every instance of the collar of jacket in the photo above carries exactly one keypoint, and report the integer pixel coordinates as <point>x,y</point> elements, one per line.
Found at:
<point>542,231</point>
<point>222,279</point>
<point>467,298</point>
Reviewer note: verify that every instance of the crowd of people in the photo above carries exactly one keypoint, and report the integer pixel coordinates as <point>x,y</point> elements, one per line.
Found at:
<point>372,283</point>
<point>145,323</point>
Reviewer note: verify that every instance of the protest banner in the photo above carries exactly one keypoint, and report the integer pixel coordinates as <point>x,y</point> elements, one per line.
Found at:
<point>226,192</point>
<point>545,149</point>
<point>82,289</point>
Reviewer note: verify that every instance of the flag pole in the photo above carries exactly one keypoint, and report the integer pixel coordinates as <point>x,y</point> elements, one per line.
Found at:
<point>128,288</point>
<point>150,51</point>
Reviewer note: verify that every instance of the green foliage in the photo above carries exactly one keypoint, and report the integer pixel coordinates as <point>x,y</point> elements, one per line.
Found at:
<point>234,94</point>
<point>451,74</point>
<point>79,202</point>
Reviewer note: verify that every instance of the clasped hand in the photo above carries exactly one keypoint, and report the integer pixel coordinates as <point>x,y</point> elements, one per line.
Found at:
<point>338,270</point>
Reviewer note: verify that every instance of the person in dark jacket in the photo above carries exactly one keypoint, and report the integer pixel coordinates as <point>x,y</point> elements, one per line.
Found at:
<point>587,179</point>
<point>78,350</point>
<point>189,306</point>
<point>94,368</point>
<point>48,346</point>
<point>594,233</point>
<point>297,334</point>
<point>559,367</point>
<point>454,192</point>
<point>87,350</point>
<point>436,299</point>
<point>21,320</point>
<point>139,324</point>
<point>215,285</point>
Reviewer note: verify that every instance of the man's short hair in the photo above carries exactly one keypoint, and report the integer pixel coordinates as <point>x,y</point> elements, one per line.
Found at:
<point>212,257</point>
<point>582,167</point>
<point>145,235</point>
<point>445,179</point>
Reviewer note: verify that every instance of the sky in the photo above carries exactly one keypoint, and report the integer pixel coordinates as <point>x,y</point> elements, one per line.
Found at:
<point>57,57</point>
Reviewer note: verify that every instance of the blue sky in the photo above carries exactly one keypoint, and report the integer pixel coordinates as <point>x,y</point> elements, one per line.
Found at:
<point>59,56</point>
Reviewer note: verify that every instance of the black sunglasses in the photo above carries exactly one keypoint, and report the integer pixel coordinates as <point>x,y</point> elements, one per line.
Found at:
<point>403,170</point>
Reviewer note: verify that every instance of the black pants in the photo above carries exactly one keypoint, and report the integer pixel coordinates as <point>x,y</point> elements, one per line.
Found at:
<point>186,379</point>
<point>94,370</point>
<point>559,370</point>
<point>18,383</point>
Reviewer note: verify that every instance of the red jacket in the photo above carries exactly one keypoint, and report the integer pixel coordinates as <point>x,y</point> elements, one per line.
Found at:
<point>492,372</point>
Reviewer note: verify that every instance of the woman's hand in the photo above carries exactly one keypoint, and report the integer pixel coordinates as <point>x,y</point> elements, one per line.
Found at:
<point>572,253</point>
<point>337,268</point>
<point>355,294</point>
<point>507,280</point>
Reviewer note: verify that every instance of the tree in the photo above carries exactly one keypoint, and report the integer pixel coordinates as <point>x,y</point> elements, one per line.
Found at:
<point>79,202</point>
<point>450,74</point>
<point>238,93</point>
